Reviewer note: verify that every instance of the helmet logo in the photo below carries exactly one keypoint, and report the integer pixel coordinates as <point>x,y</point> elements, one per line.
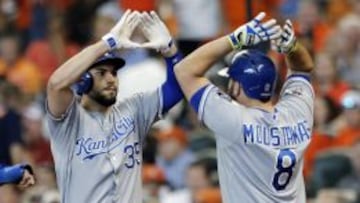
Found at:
<point>267,87</point>
<point>250,71</point>
<point>259,67</point>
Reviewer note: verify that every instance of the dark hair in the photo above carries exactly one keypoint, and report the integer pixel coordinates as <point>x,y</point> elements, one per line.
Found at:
<point>333,109</point>
<point>209,166</point>
<point>10,33</point>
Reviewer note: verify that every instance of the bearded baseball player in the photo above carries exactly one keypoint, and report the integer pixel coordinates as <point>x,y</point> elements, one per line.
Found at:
<point>260,145</point>
<point>96,142</point>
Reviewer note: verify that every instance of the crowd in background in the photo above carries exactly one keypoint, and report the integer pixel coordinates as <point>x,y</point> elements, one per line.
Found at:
<point>179,158</point>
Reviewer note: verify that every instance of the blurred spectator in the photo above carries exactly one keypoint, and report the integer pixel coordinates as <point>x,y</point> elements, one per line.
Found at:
<point>312,30</point>
<point>174,157</point>
<point>45,176</point>
<point>323,132</point>
<point>344,47</point>
<point>143,5</point>
<point>49,53</point>
<point>79,18</point>
<point>106,17</point>
<point>45,190</point>
<point>149,149</point>
<point>34,142</point>
<point>336,196</point>
<point>236,13</point>
<point>288,8</point>
<point>337,9</point>
<point>327,81</point>
<point>329,168</point>
<point>8,194</point>
<point>16,68</point>
<point>192,31</point>
<point>153,182</point>
<point>10,128</point>
<point>208,195</point>
<point>350,133</point>
<point>51,196</point>
<point>352,180</point>
<point>198,181</point>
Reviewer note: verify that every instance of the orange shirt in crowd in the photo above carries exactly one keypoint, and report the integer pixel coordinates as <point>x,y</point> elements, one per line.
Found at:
<point>23,74</point>
<point>41,53</point>
<point>143,5</point>
<point>336,92</point>
<point>235,11</point>
<point>24,14</point>
<point>319,142</point>
<point>347,137</point>
<point>320,33</point>
<point>208,195</point>
<point>337,9</point>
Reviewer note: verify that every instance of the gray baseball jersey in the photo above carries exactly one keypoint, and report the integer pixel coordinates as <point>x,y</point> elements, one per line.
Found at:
<point>98,158</point>
<point>260,153</point>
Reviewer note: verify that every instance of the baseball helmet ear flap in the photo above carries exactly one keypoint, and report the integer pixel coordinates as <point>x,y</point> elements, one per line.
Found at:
<point>85,84</point>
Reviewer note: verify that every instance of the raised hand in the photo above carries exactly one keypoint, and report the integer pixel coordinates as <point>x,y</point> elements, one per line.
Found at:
<point>119,35</point>
<point>155,32</point>
<point>254,32</point>
<point>287,42</point>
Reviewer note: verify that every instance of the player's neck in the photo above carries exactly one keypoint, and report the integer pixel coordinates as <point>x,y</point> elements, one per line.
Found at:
<point>92,105</point>
<point>267,106</point>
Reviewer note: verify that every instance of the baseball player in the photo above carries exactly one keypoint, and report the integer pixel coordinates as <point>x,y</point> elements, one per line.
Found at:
<point>21,174</point>
<point>96,142</point>
<point>260,146</point>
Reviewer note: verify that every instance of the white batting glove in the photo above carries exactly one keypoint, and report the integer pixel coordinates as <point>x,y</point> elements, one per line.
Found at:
<point>119,35</point>
<point>254,32</point>
<point>287,43</point>
<point>155,32</point>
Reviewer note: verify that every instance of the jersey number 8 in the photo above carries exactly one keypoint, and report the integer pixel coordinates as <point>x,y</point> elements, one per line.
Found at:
<point>286,162</point>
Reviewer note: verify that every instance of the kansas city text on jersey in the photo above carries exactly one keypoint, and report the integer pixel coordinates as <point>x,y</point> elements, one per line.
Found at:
<point>275,135</point>
<point>89,148</point>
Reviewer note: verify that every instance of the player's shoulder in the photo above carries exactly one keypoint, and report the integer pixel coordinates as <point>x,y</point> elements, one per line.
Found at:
<point>298,84</point>
<point>129,102</point>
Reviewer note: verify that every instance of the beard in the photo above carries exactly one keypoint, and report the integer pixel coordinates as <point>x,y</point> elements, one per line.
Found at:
<point>101,98</point>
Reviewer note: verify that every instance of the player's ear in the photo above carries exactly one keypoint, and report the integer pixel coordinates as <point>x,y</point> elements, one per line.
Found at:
<point>230,86</point>
<point>236,89</point>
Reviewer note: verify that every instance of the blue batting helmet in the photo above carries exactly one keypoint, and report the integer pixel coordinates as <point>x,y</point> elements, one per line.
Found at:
<point>85,83</point>
<point>255,72</point>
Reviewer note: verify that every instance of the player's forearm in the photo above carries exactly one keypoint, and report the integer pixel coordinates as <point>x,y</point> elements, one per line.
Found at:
<point>198,62</point>
<point>69,72</point>
<point>171,90</point>
<point>299,59</point>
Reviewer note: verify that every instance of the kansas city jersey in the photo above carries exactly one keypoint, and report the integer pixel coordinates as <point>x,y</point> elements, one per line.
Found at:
<point>260,153</point>
<point>98,158</point>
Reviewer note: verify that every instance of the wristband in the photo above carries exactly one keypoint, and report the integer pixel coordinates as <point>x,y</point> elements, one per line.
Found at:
<point>235,43</point>
<point>167,48</point>
<point>294,47</point>
<point>174,59</point>
<point>110,40</point>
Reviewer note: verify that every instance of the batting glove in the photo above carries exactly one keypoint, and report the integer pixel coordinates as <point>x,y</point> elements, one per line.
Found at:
<point>254,32</point>
<point>155,32</point>
<point>119,35</point>
<point>287,43</point>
